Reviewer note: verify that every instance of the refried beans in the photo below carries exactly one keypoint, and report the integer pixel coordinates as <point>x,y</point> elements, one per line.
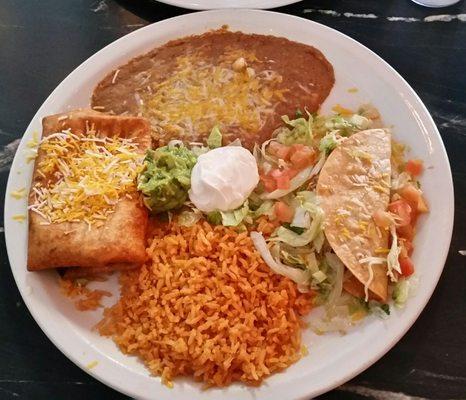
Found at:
<point>242,83</point>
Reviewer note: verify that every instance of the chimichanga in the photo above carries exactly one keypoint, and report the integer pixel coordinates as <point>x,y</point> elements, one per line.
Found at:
<point>84,210</point>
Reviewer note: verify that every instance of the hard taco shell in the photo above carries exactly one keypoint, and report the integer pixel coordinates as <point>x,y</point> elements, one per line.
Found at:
<point>353,184</point>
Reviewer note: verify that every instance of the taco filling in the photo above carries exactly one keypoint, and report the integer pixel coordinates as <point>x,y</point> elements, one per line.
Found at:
<point>353,185</point>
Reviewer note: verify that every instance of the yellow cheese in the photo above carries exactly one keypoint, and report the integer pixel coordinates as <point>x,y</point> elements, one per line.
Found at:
<point>84,176</point>
<point>198,96</point>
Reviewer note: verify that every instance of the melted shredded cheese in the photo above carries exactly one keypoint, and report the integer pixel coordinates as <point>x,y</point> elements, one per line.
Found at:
<point>84,177</point>
<point>200,95</point>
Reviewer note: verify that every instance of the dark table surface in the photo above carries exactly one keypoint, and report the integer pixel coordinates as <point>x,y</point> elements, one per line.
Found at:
<point>43,41</point>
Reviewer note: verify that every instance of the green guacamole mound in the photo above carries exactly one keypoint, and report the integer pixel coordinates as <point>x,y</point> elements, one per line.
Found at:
<point>166,177</point>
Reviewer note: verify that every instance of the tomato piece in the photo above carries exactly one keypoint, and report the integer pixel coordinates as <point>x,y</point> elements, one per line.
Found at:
<point>283,182</point>
<point>406,248</point>
<point>407,266</point>
<point>297,146</point>
<point>281,177</point>
<point>279,150</point>
<point>283,212</point>
<point>402,211</point>
<point>414,196</point>
<point>269,183</point>
<point>414,167</point>
<point>406,232</point>
<point>410,193</point>
<point>291,172</point>
<point>302,157</point>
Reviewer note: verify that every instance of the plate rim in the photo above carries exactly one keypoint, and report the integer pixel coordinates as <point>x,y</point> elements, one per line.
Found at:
<point>118,385</point>
<point>256,4</point>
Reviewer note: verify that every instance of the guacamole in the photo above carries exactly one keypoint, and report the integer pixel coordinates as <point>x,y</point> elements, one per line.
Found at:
<point>166,177</point>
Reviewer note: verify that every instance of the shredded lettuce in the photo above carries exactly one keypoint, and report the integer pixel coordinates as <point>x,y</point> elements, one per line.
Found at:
<point>370,261</point>
<point>292,259</point>
<point>189,218</point>
<point>300,179</point>
<point>315,213</point>
<point>297,275</point>
<point>346,126</point>
<point>381,310</point>
<point>215,138</point>
<point>266,208</point>
<point>286,235</point>
<point>297,130</point>
<point>235,217</point>
<point>301,218</point>
<point>319,276</point>
<point>400,293</point>
<point>199,150</point>
<point>295,229</point>
<point>338,269</point>
<point>392,256</point>
<point>319,242</point>
<point>214,218</point>
<point>328,142</point>
<point>261,155</point>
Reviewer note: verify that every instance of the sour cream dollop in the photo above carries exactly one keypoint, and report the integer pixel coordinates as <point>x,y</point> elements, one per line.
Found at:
<point>223,179</point>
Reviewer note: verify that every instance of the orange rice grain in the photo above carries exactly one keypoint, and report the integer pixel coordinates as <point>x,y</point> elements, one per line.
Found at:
<point>207,306</point>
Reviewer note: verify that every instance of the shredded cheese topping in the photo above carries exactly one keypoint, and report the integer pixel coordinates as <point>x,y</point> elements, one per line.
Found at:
<point>84,177</point>
<point>200,95</point>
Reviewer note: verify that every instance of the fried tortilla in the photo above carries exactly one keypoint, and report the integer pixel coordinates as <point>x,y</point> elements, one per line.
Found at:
<point>89,273</point>
<point>121,237</point>
<point>243,83</point>
<point>354,183</point>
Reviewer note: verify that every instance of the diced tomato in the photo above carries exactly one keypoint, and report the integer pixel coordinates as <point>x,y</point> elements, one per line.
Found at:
<point>270,184</point>
<point>291,172</point>
<point>410,193</point>
<point>406,248</point>
<point>278,179</point>
<point>283,212</point>
<point>414,196</point>
<point>302,157</point>
<point>402,211</point>
<point>279,150</point>
<point>283,182</point>
<point>281,177</point>
<point>407,266</point>
<point>406,232</point>
<point>297,146</point>
<point>414,167</point>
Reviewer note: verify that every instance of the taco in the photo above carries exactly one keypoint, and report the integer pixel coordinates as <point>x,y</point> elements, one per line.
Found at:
<point>355,183</point>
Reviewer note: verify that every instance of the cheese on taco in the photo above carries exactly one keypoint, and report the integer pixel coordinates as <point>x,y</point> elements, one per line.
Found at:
<point>355,183</point>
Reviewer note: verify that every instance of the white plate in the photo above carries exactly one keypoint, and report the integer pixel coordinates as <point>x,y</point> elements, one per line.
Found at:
<point>219,4</point>
<point>332,359</point>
